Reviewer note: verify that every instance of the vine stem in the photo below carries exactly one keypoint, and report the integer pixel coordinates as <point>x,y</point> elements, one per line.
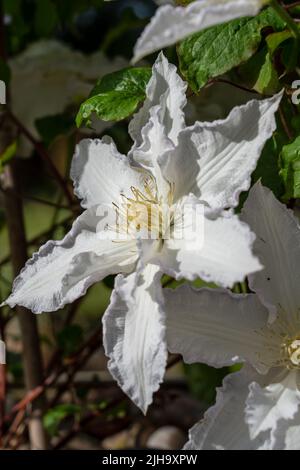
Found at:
<point>32,358</point>
<point>285,16</point>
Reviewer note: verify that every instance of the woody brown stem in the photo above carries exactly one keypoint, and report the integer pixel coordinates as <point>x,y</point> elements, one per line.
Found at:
<point>32,358</point>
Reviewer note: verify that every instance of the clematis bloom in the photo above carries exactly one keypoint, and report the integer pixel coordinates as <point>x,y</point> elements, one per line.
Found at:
<point>258,408</point>
<point>169,166</point>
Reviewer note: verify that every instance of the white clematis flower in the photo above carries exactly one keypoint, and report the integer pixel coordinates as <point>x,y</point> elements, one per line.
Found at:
<point>171,24</point>
<point>169,166</point>
<point>258,408</point>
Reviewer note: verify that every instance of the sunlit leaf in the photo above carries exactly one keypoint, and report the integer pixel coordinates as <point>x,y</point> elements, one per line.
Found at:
<point>55,416</point>
<point>290,169</point>
<point>7,155</point>
<point>116,96</point>
<point>217,50</point>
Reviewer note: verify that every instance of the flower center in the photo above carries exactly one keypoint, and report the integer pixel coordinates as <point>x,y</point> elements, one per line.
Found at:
<point>144,212</point>
<point>281,343</point>
<point>291,350</point>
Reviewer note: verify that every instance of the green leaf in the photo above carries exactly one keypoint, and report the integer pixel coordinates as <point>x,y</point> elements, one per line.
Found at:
<point>267,82</point>
<point>217,50</point>
<point>290,169</point>
<point>274,40</point>
<point>267,169</point>
<point>288,47</point>
<point>69,339</point>
<point>55,416</point>
<point>259,71</point>
<point>116,96</point>
<point>260,74</point>
<point>7,155</point>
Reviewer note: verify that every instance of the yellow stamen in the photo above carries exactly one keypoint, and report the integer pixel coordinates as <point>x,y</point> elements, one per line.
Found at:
<point>144,211</point>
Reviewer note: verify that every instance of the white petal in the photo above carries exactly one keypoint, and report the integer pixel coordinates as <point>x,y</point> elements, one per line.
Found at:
<point>155,143</point>
<point>223,255</point>
<point>2,352</point>
<point>170,25</point>
<point>63,270</point>
<point>134,335</point>
<point>250,414</point>
<point>268,406</point>
<point>213,326</point>
<point>292,440</point>
<point>287,434</point>
<point>167,91</point>
<point>278,247</point>
<point>224,426</point>
<point>215,160</point>
<point>100,173</point>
